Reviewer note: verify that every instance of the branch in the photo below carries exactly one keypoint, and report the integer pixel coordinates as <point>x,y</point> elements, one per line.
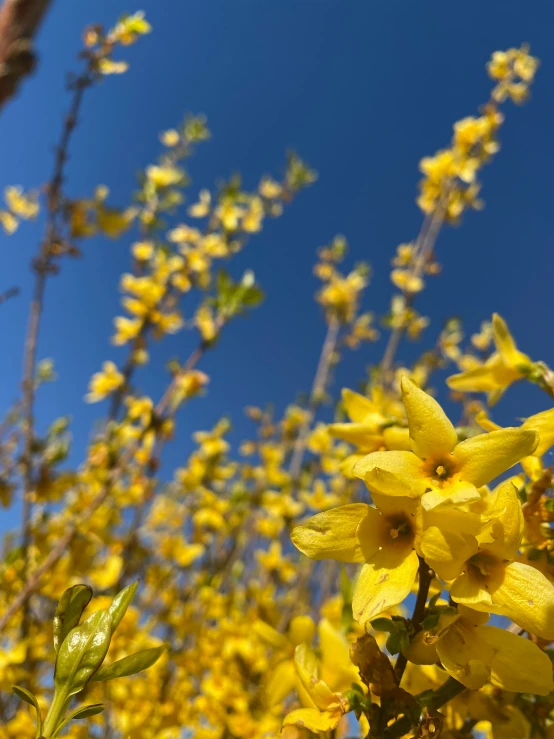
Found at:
<point>19,22</point>
<point>318,388</point>
<point>425,578</point>
<point>447,691</point>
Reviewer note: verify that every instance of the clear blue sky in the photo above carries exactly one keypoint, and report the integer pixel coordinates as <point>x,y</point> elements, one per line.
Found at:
<point>361,90</point>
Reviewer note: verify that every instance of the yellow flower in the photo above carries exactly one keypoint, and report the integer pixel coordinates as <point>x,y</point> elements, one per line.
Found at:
<point>202,207</point>
<point>504,367</point>
<point>105,382</point>
<point>24,206</point>
<point>113,222</point>
<point>482,568</point>
<point>407,281</point>
<point>105,65</point>
<point>129,28</point>
<point>143,250</point>
<point>9,222</point>
<point>126,330</point>
<point>439,470</point>
<point>170,137</point>
<point>475,654</point>
<point>325,708</point>
<point>164,176</point>
<point>383,537</point>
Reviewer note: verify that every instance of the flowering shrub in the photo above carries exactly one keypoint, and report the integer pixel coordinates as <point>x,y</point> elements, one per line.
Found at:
<point>386,574</point>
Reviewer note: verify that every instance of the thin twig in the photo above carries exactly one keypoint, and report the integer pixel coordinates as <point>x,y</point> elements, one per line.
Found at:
<point>425,579</point>
<point>43,267</point>
<point>425,244</point>
<point>318,389</point>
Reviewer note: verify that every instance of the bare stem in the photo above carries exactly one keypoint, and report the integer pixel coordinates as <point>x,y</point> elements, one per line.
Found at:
<point>425,243</point>
<point>43,267</point>
<point>425,579</point>
<point>318,388</point>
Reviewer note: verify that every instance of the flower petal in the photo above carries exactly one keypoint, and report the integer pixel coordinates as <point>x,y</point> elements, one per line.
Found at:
<point>464,657</point>
<point>482,458</point>
<point>505,344</point>
<point>357,406</point>
<point>502,535</point>
<point>517,665</point>
<point>543,423</point>
<point>360,434</point>
<point>281,682</point>
<point>312,719</point>
<point>392,473</point>
<point>454,494</point>
<point>447,552</point>
<point>490,377</point>
<point>332,534</point>
<point>527,597</point>
<point>370,533</point>
<point>379,588</point>
<point>431,432</point>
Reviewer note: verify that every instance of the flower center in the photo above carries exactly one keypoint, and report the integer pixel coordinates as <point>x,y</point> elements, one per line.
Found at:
<point>483,564</point>
<point>398,529</point>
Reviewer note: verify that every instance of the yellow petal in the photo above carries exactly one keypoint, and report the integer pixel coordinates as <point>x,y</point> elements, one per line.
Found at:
<point>269,634</point>
<point>369,533</point>
<point>456,493</point>
<point>502,535</point>
<point>447,552</point>
<point>356,406</point>
<point>543,423</point>
<point>482,458</point>
<point>485,422</point>
<point>431,432</point>
<point>360,434</point>
<point>470,591</point>
<point>464,657</point>
<point>312,719</point>
<point>281,682</point>
<point>301,630</point>
<point>380,588</point>
<point>492,377</point>
<point>392,473</point>
<point>397,437</point>
<point>336,668</point>
<point>527,597</point>
<point>517,665</point>
<point>503,339</point>
<point>306,667</point>
<point>332,534</point>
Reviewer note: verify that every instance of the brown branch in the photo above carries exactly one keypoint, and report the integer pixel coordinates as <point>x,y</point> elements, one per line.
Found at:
<point>19,22</point>
<point>43,267</point>
<point>425,579</point>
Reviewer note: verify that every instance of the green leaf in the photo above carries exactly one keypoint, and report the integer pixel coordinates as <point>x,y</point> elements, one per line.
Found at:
<point>121,602</point>
<point>82,653</point>
<point>79,713</point>
<point>398,642</point>
<point>430,621</point>
<point>129,665</point>
<point>28,697</point>
<point>69,611</point>
<point>383,624</point>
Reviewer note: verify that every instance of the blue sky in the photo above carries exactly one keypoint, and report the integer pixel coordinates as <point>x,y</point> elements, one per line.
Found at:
<point>361,90</point>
